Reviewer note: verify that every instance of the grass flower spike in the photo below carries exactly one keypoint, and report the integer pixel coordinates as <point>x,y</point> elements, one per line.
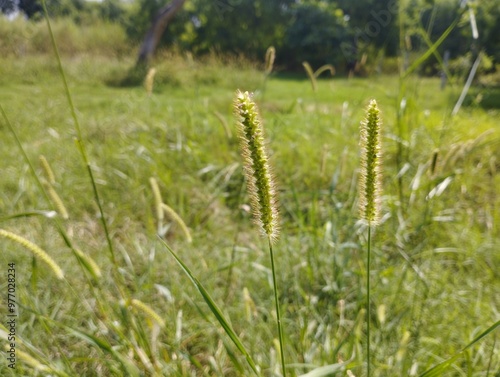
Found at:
<point>270,56</point>
<point>57,201</point>
<point>49,173</point>
<point>148,311</point>
<point>37,251</point>
<point>149,81</point>
<point>370,177</point>
<point>369,192</point>
<point>260,187</point>
<point>175,216</point>
<point>158,200</point>
<point>260,180</point>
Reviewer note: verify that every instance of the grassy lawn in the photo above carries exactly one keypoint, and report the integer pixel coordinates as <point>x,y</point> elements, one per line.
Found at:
<point>435,276</point>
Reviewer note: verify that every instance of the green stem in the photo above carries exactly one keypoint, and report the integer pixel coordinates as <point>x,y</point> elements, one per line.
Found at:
<point>278,315</point>
<point>368,359</point>
<point>79,139</point>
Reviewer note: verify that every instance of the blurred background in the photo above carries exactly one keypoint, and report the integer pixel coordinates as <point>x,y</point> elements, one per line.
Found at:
<point>338,32</point>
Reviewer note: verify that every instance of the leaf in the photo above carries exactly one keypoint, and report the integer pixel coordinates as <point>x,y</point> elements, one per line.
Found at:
<point>214,309</point>
<point>433,48</point>
<point>127,365</point>
<point>441,367</point>
<point>47,214</point>
<point>325,370</point>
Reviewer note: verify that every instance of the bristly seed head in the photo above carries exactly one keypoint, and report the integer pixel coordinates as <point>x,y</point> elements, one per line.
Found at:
<point>370,176</point>
<point>37,251</point>
<point>259,178</point>
<point>270,56</point>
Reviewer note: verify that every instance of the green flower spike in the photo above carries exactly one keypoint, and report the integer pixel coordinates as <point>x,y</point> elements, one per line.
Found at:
<point>257,170</point>
<point>370,177</point>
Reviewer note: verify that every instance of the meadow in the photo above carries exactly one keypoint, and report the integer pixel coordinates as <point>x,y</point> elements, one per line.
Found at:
<point>434,269</point>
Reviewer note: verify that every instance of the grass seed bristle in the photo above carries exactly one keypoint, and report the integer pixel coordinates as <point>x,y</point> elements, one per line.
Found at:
<point>148,311</point>
<point>370,176</point>
<point>57,201</point>
<point>270,57</point>
<point>149,81</point>
<point>49,173</point>
<point>175,216</point>
<point>37,251</point>
<point>157,198</point>
<point>258,172</point>
<point>89,263</point>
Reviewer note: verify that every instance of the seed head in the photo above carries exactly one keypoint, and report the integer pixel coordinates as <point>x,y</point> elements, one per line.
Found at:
<point>37,251</point>
<point>149,81</point>
<point>49,174</point>
<point>370,176</point>
<point>175,216</point>
<point>158,200</point>
<point>57,201</point>
<point>270,56</point>
<point>88,263</point>
<point>259,178</point>
<point>148,311</point>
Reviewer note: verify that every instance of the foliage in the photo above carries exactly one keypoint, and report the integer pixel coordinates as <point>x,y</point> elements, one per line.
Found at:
<point>314,34</point>
<point>25,37</point>
<point>434,262</point>
<point>78,10</point>
<point>321,32</point>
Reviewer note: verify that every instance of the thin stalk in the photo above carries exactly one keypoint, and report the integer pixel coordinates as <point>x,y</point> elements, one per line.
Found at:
<point>278,314</point>
<point>368,358</point>
<point>233,251</point>
<point>60,228</point>
<point>491,357</point>
<point>264,86</point>
<point>80,143</point>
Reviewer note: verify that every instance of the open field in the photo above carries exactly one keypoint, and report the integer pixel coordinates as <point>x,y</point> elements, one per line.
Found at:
<point>435,275</point>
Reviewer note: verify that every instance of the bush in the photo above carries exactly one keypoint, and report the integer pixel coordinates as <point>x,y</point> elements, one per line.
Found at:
<point>21,37</point>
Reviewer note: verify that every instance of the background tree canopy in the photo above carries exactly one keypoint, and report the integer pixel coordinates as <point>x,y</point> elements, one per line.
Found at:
<point>318,31</point>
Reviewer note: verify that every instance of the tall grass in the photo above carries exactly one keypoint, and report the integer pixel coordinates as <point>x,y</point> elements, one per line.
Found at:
<point>370,188</point>
<point>261,188</point>
<point>434,288</point>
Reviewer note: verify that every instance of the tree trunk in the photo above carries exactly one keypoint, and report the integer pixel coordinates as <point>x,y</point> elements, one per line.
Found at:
<point>158,26</point>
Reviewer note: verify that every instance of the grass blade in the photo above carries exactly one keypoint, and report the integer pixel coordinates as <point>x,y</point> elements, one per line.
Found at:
<point>326,370</point>
<point>128,367</point>
<point>79,140</point>
<point>214,309</point>
<point>467,85</point>
<point>434,47</point>
<point>47,214</point>
<point>441,367</point>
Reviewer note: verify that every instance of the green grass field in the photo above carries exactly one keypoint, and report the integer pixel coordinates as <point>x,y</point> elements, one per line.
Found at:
<point>435,258</point>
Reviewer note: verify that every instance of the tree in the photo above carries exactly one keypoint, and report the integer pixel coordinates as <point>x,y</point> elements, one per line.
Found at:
<point>34,8</point>
<point>314,34</point>
<point>158,27</point>
<point>7,6</point>
<point>372,24</point>
<point>246,27</point>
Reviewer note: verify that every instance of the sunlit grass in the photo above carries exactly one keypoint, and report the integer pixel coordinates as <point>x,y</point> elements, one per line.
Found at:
<point>435,277</point>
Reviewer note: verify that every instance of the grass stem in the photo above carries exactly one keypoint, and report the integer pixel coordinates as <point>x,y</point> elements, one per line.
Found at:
<point>79,139</point>
<point>278,313</point>
<point>368,261</point>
